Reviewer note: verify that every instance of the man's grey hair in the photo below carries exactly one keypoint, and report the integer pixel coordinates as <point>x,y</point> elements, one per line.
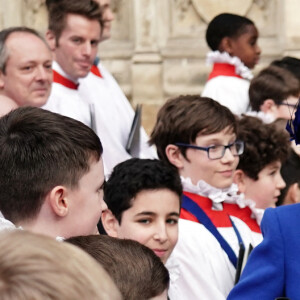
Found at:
<point>4,34</point>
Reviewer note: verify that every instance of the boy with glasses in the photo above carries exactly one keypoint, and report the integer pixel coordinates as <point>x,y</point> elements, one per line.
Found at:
<point>197,135</point>
<point>274,94</point>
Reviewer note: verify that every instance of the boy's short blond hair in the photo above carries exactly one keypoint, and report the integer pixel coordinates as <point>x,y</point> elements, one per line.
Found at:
<point>37,267</point>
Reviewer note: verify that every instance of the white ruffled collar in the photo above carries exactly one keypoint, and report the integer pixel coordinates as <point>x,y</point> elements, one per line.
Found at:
<point>217,196</point>
<point>224,57</point>
<point>5,224</point>
<point>265,117</point>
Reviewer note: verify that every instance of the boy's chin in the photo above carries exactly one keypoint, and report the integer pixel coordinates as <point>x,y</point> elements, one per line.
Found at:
<point>222,185</point>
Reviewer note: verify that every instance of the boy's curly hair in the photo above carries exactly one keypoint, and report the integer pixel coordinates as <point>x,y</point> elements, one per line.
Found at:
<point>264,144</point>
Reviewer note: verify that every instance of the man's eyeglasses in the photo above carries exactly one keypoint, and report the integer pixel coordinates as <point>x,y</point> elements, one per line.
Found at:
<point>216,152</point>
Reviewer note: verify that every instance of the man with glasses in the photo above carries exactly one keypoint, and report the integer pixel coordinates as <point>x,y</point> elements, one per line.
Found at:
<point>198,136</point>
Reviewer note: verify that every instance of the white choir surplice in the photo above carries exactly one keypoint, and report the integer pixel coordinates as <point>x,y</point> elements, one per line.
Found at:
<point>229,90</point>
<point>114,116</point>
<point>199,268</point>
<point>67,101</point>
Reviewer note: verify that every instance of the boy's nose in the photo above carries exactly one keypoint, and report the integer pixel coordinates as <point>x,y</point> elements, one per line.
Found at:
<point>228,156</point>
<point>161,234</point>
<point>281,183</point>
<point>103,205</point>
<point>258,50</point>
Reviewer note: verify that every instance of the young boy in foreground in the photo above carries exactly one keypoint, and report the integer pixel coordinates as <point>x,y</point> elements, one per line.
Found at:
<point>51,173</point>
<point>143,199</point>
<point>198,136</point>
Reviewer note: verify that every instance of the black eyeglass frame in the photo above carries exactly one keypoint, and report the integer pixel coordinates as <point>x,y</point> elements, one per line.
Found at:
<point>289,104</point>
<point>207,149</point>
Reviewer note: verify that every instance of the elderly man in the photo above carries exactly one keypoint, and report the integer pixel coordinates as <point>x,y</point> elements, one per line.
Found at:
<point>25,69</point>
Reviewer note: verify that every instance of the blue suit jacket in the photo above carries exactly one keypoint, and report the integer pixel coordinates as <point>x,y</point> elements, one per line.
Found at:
<point>273,268</point>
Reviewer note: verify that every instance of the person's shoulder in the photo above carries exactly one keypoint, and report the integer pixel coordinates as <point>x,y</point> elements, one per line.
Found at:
<point>285,213</point>
<point>287,209</point>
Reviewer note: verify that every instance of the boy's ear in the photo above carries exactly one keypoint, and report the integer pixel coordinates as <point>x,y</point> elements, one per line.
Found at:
<point>239,179</point>
<point>174,155</point>
<point>268,106</point>
<point>110,223</point>
<point>51,39</point>
<point>58,201</point>
<point>226,45</point>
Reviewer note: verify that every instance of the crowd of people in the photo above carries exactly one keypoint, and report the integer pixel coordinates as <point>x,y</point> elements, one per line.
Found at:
<point>192,216</point>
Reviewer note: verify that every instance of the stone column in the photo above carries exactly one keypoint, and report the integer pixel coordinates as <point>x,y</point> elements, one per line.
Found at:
<point>291,24</point>
<point>10,13</point>
<point>146,61</point>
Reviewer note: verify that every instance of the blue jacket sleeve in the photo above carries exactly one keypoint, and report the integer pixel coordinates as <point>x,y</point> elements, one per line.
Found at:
<point>263,276</point>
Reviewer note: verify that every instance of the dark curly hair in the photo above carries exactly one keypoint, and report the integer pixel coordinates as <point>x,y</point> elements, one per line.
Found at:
<point>135,175</point>
<point>264,144</point>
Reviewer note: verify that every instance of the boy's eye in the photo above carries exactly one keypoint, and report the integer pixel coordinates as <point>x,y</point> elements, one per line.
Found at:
<point>215,148</point>
<point>252,42</point>
<point>172,221</point>
<point>144,221</point>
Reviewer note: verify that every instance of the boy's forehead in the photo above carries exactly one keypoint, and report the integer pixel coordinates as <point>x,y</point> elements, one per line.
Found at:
<point>249,29</point>
<point>143,198</point>
<point>227,132</point>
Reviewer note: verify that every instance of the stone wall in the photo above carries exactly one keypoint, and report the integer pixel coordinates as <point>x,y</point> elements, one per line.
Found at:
<point>157,49</point>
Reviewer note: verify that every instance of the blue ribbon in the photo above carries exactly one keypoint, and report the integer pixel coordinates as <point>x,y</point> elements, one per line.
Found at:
<point>192,207</point>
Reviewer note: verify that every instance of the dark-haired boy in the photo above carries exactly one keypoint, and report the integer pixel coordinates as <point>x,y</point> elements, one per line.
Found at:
<point>198,136</point>
<point>233,41</point>
<point>51,173</point>
<point>258,172</point>
<point>143,199</point>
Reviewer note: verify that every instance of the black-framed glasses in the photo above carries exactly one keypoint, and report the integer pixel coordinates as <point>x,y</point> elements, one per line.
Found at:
<point>217,151</point>
<point>294,106</point>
